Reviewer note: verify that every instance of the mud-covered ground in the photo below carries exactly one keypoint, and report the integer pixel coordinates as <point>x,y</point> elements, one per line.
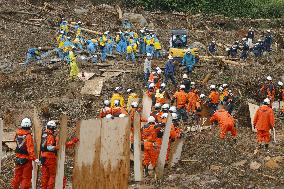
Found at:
<point>206,161</point>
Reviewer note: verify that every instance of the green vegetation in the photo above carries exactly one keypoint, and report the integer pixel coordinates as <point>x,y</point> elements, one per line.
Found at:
<point>230,8</point>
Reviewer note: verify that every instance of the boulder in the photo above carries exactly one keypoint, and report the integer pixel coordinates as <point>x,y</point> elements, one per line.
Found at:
<point>136,19</point>
<point>254,165</point>
<point>272,164</point>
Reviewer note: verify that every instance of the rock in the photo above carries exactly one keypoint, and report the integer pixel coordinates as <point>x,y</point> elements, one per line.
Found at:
<point>278,159</point>
<point>136,18</point>
<point>254,165</point>
<point>240,163</point>
<point>215,167</point>
<point>267,158</point>
<point>173,177</point>
<point>81,11</point>
<point>272,164</point>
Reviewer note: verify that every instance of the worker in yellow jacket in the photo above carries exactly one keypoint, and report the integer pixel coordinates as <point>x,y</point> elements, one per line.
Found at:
<point>130,52</point>
<point>133,97</point>
<point>157,49</point>
<point>117,96</point>
<point>74,70</point>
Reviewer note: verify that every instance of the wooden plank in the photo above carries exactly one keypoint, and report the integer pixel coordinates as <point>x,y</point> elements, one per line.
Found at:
<point>1,139</point>
<point>138,171</point>
<point>115,153</point>
<point>147,105</point>
<point>84,76</point>
<point>252,110</point>
<point>8,136</point>
<point>176,149</point>
<point>37,133</point>
<point>109,75</point>
<point>61,152</point>
<point>163,152</point>
<point>93,87</point>
<point>87,155</point>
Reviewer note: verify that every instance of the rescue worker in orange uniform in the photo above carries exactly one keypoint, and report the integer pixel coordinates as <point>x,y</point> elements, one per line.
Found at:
<point>264,121</point>
<point>24,156</point>
<point>149,135</point>
<point>181,98</point>
<point>226,122</point>
<point>117,109</point>
<point>156,112</point>
<point>49,147</point>
<point>193,97</point>
<point>151,92</point>
<point>106,109</point>
<point>280,91</point>
<point>213,99</point>
<point>199,106</point>
<point>164,109</point>
<point>268,90</point>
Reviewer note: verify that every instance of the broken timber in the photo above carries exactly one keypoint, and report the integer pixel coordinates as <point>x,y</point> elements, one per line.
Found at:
<point>176,149</point>
<point>102,157</point>
<point>138,172</point>
<point>164,148</point>
<point>37,133</point>
<point>61,152</point>
<point>252,110</point>
<point>1,138</point>
<point>93,87</point>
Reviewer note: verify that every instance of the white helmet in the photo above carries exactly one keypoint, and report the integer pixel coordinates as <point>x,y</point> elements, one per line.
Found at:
<point>259,40</point>
<point>106,102</point>
<point>61,31</point>
<point>227,49</point>
<point>166,106</point>
<point>173,109</point>
<point>51,125</point>
<point>121,115</point>
<point>266,101</point>
<point>280,83</point>
<point>212,86</point>
<point>170,57</point>
<point>202,96</point>
<point>268,31</point>
<point>108,116</point>
<point>192,83</point>
<point>117,88</point>
<point>157,105</point>
<point>184,76</point>
<point>26,123</point>
<point>182,87</point>
<point>164,115</point>
<point>129,90</point>
<point>79,22</point>
<point>174,116</point>
<point>116,102</point>
<point>134,104</point>
<point>151,119</point>
<point>213,41</point>
<point>39,48</point>
<point>159,71</point>
<point>107,32</point>
<point>225,85</point>
<point>152,85</point>
<point>244,39</point>
<point>269,78</point>
<point>149,54</point>
<point>163,85</point>
<point>221,88</point>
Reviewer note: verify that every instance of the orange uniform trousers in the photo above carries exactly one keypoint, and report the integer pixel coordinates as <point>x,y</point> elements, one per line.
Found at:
<point>228,128</point>
<point>22,176</point>
<point>263,136</point>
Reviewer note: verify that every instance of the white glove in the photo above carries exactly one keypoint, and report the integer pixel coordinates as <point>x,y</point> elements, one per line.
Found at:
<point>37,161</point>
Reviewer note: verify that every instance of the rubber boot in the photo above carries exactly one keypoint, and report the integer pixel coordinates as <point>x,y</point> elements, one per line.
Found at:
<point>146,171</point>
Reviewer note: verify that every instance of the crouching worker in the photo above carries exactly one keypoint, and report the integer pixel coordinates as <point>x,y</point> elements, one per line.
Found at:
<point>226,122</point>
<point>49,148</point>
<point>24,156</point>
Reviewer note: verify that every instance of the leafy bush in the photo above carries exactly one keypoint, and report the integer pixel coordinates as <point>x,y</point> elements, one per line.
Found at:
<point>230,8</point>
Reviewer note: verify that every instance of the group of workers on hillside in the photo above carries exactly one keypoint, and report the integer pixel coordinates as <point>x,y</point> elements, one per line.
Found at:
<point>246,46</point>
<point>128,44</point>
